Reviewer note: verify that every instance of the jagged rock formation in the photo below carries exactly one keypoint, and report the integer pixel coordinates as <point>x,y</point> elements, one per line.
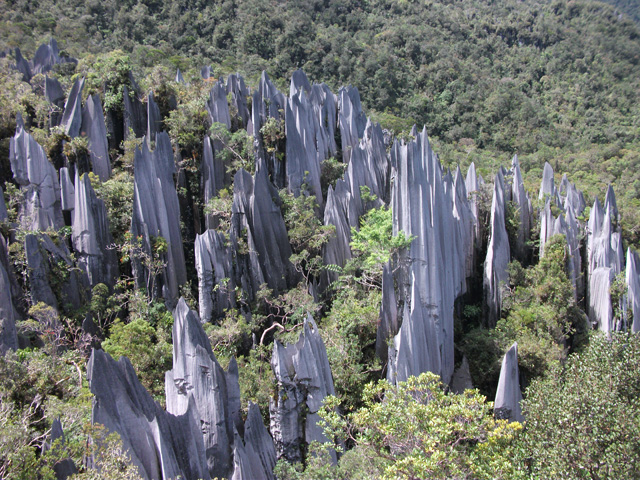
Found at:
<point>154,119</point>
<point>91,237</point>
<point>216,279</point>
<point>156,213</point>
<point>197,381</point>
<point>213,177</point>
<point>47,56</point>
<point>8,315</point>
<point>430,276</point>
<point>72,116</point>
<point>4,216</point>
<point>22,65</point>
<point>473,183</point>
<point>162,445</point>
<point>217,105</point>
<point>605,258</point>
<point>351,119</point>
<point>54,95</point>
<point>498,254</point>
<point>257,223</point>
<point>38,180</point>
<point>523,202</point>
<point>135,118</point>
<point>303,379</point>
<point>64,468</point>
<point>508,396</point>
<point>259,446</point>
<point>239,93</point>
<point>67,191</point>
<point>94,128</point>
<point>461,379</point>
<point>632,277</point>
<point>547,186</point>
<point>53,279</point>
<point>267,102</point>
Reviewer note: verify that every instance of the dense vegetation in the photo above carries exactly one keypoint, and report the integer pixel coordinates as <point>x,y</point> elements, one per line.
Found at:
<point>552,81</point>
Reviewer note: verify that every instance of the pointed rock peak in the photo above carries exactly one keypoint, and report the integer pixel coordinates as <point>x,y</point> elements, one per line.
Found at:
<point>299,83</point>
<point>610,202</point>
<point>179,77</point>
<point>471,181</point>
<point>508,396</point>
<point>547,187</point>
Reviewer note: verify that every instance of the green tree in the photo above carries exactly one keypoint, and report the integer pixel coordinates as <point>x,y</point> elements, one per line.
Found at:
<point>418,430</point>
<point>583,419</point>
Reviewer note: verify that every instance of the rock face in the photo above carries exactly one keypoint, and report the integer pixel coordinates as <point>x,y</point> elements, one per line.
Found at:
<point>303,379</point>
<point>259,446</point>
<point>4,216</point>
<point>267,102</point>
<point>154,119</point>
<point>54,95</point>
<point>52,275</point>
<point>67,191</point>
<point>239,93</point>
<point>213,177</point>
<point>432,275</point>
<point>547,187</point>
<point>72,115</point>
<point>521,199</point>
<point>94,128</point>
<point>217,105</point>
<point>498,254</point>
<point>257,223</point>
<point>65,467</point>
<point>632,277</point>
<point>216,278</point>
<point>605,258</point>
<point>161,445</point>
<point>508,396</point>
<point>156,213</point>
<point>91,237</point>
<point>47,56</point>
<point>8,316</point>
<point>134,113</point>
<point>351,119</point>
<point>198,382</point>
<point>38,180</point>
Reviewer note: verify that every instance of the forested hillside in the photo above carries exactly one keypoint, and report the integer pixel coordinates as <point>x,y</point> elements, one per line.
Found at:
<point>551,81</point>
<point>299,282</point>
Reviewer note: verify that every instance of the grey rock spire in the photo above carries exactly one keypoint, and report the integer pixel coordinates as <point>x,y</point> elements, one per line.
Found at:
<point>508,396</point>
<point>162,445</point>
<point>198,383</point>
<point>72,117</point>
<point>8,315</point>
<point>37,177</point>
<point>521,199</point>
<point>304,378</point>
<point>156,213</point>
<point>498,254</point>
<point>91,237</point>
<point>94,128</point>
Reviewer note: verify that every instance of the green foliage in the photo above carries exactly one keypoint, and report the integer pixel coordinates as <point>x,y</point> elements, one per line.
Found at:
<point>307,234</point>
<point>257,383</point>
<point>416,430</point>
<point>583,419</point>
<point>349,331</point>
<point>373,245</point>
<point>331,169</point>
<point>273,136</point>
<point>111,72</point>
<point>146,342</point>
<point>36,388</point>
<point>237,151</point>
<point>187,124</point>
<point>117,194</point>
<point>220,207</point>
<point>539,312</point>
